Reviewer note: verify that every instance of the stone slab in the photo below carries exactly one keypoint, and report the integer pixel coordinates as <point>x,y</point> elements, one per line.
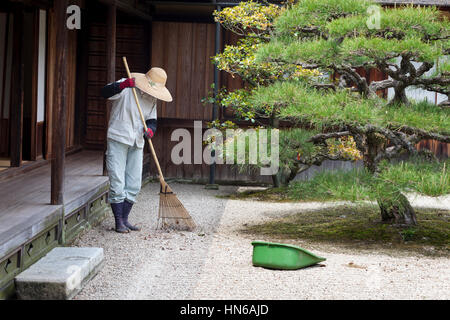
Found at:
<point>250,189</point>
<point>59,275</point>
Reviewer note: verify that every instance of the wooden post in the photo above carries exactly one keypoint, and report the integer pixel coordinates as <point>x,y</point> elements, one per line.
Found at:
<point>217,45</point>
<point>59,104</point>
<point>17,78</point>
<point>111,25</point>
<point>34,87</point>
<point>81,96</point>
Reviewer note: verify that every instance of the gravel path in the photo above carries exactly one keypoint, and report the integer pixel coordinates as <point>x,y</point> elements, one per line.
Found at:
<point>215,261</point>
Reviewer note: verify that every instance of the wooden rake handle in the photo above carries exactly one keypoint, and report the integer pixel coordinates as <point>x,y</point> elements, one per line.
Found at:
<point>161,177</point>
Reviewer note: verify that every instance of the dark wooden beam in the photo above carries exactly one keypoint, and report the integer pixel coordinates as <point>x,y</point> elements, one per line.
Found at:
<point>111,27</point>
<point>125,7</point>
<point>59,104</point>
<point>82,79</point>
<point>17,81</point>
<point>43,4</point>
<point>212,3</point>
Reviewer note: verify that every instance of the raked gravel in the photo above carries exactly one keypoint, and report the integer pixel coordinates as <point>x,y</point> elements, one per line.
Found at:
<point>214,262</point>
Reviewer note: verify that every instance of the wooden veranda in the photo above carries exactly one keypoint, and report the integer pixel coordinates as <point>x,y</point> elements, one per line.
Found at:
<point>30,225</point>
<point>53,120</point>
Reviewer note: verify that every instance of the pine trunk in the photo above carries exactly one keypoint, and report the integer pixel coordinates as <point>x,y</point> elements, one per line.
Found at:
<point>400,95</point>
<point>397,210</point>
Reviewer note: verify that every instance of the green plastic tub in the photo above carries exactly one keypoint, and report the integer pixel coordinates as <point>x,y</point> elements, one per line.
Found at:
<point>282,256</point>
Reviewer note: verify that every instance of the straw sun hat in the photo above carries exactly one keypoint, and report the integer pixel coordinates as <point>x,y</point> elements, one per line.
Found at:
<point>153,83</point>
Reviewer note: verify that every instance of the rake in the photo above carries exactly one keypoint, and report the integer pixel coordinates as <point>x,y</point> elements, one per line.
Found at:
<point>172,214</point>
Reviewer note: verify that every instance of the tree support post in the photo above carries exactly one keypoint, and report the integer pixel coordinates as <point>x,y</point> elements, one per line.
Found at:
<point>212,169</point>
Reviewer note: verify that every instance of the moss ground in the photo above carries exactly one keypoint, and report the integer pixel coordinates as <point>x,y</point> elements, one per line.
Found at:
<point>360,227</point>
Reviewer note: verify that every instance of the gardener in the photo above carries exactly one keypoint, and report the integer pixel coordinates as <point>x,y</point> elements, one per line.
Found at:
<point>125,138</point>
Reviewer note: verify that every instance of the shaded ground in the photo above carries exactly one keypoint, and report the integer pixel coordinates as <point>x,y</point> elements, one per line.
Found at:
<point>215,261</point>
<point>360,226</point>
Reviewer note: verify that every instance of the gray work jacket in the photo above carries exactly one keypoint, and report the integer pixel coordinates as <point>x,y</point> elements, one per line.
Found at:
<point>125,124</point>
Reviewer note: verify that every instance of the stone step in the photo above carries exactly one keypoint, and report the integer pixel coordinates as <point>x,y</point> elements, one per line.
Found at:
<point>59,275</point>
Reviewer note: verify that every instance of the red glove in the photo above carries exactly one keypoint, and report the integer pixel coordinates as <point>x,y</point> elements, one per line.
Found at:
<point>149,133</point>
<point>128,83</point>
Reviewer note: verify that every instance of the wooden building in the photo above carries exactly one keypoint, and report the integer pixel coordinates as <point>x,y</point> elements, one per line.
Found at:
<point>53,120</point>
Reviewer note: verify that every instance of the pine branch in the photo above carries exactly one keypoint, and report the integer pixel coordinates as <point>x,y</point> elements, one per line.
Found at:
<point>322,137</point>
<point>419,134</point>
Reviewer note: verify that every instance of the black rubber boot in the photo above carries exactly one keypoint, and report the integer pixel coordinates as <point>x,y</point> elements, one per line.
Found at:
<point>126,212</point>
<point>117,209</point>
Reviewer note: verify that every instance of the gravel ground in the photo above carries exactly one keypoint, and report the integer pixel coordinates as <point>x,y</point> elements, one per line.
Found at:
<point>214,262</point>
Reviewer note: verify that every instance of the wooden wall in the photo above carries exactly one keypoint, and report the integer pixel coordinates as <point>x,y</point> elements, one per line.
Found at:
<point>200,172</point>
<point>440,149</point>
<point>184,50</point>
<point>132,42</point>
<point>33,59</point>
<point>6,37</point>
<point>226,80</point>
<point>4,138</point>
